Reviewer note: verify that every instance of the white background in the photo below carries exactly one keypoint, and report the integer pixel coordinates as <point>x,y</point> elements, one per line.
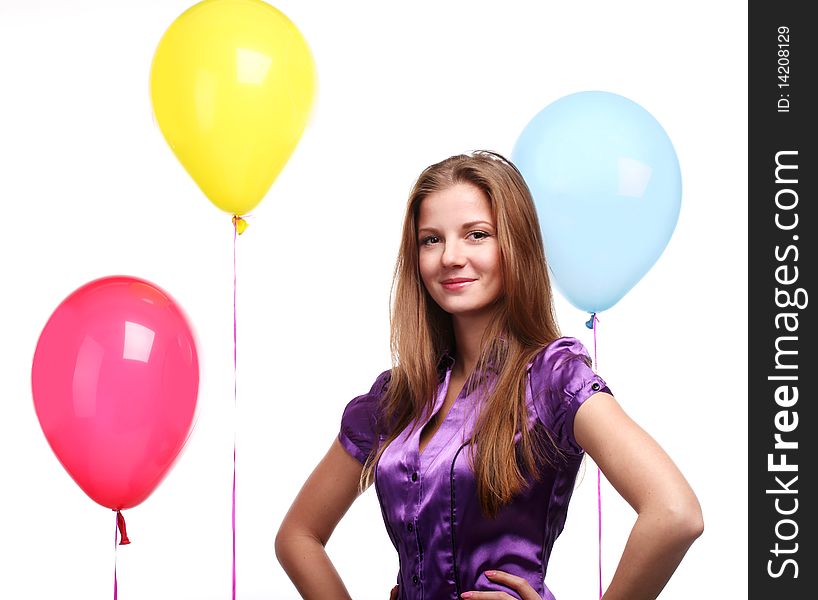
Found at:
<point>89,188</point>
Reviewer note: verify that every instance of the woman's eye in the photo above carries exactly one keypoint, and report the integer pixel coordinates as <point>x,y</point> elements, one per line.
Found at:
<point>429,240</point>
<point>478,235</point>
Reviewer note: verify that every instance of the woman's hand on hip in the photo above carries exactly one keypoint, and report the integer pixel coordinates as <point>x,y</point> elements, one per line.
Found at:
<point>518,584</point>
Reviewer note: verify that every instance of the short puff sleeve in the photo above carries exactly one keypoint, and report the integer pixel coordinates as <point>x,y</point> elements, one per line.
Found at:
<point>561,379</point>
<point>360,423</point>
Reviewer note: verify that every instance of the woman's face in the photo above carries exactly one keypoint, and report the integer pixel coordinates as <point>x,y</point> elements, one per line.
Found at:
<point>458,254</point>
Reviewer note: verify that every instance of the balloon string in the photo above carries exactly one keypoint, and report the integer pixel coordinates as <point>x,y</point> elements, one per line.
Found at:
<point>593,321</point>
<point>238,223</point>
<point>116,530</point>
<point>119,529</point>
<point>599,524</point>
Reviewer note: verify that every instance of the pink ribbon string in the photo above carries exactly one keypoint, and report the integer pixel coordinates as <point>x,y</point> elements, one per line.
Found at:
<point>119,530</point>
<point>233,516</point>
<point>116,531</point>
<point>594,320</point>
<point>599,525</point>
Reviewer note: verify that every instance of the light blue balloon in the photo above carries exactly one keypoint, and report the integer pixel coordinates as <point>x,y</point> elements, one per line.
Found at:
<point>607,187</point>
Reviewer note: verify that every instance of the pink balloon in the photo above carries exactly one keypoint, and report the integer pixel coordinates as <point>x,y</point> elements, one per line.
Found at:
<point>115,379</point>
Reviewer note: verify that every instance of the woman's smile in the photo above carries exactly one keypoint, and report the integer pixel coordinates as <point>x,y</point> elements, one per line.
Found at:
<point>456,283</point>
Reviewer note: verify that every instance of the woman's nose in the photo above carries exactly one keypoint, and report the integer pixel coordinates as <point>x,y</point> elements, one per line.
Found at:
<point>453,255</point>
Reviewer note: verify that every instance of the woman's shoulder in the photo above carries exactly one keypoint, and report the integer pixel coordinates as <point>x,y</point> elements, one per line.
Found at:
<point>551,359</point>
<point>371,399</point>
<point>561,379</point>
<point>360,423</point>
<point>381,383</point>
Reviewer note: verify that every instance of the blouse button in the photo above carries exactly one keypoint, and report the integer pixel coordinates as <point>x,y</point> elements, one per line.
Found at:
<point>410,527</point>
<point>415,579</point>
<point>595,387</point>
<point>414,476</point>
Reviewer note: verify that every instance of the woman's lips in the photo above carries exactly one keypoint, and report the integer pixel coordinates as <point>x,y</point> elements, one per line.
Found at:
<point>456,283</point>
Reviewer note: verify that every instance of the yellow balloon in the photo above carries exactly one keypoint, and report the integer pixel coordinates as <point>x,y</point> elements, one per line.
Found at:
<point>232,86</point>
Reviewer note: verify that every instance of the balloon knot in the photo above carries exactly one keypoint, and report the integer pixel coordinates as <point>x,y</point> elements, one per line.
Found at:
<point>123,533</point>
<point>590,322</point>
<point>240,224</point>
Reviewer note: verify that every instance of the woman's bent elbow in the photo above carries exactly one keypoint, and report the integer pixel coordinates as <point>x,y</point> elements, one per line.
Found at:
<point>292,541</point>
<point>689,522</point>
<point>695,524</point>
<point>281,545</point>
<point>285,543</point>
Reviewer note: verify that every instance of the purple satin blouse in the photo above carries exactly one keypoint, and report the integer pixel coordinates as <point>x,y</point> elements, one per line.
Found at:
<point>429,500</point>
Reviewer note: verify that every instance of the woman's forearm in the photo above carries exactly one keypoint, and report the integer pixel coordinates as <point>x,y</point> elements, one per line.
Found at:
<point>306,562</point>
<point>655,547</point>
<point>323,500</point>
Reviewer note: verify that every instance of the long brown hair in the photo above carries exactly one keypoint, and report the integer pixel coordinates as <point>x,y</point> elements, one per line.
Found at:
<point>523,323</point>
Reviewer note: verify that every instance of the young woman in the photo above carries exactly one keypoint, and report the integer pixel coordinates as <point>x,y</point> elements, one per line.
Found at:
<point>473,439</point>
